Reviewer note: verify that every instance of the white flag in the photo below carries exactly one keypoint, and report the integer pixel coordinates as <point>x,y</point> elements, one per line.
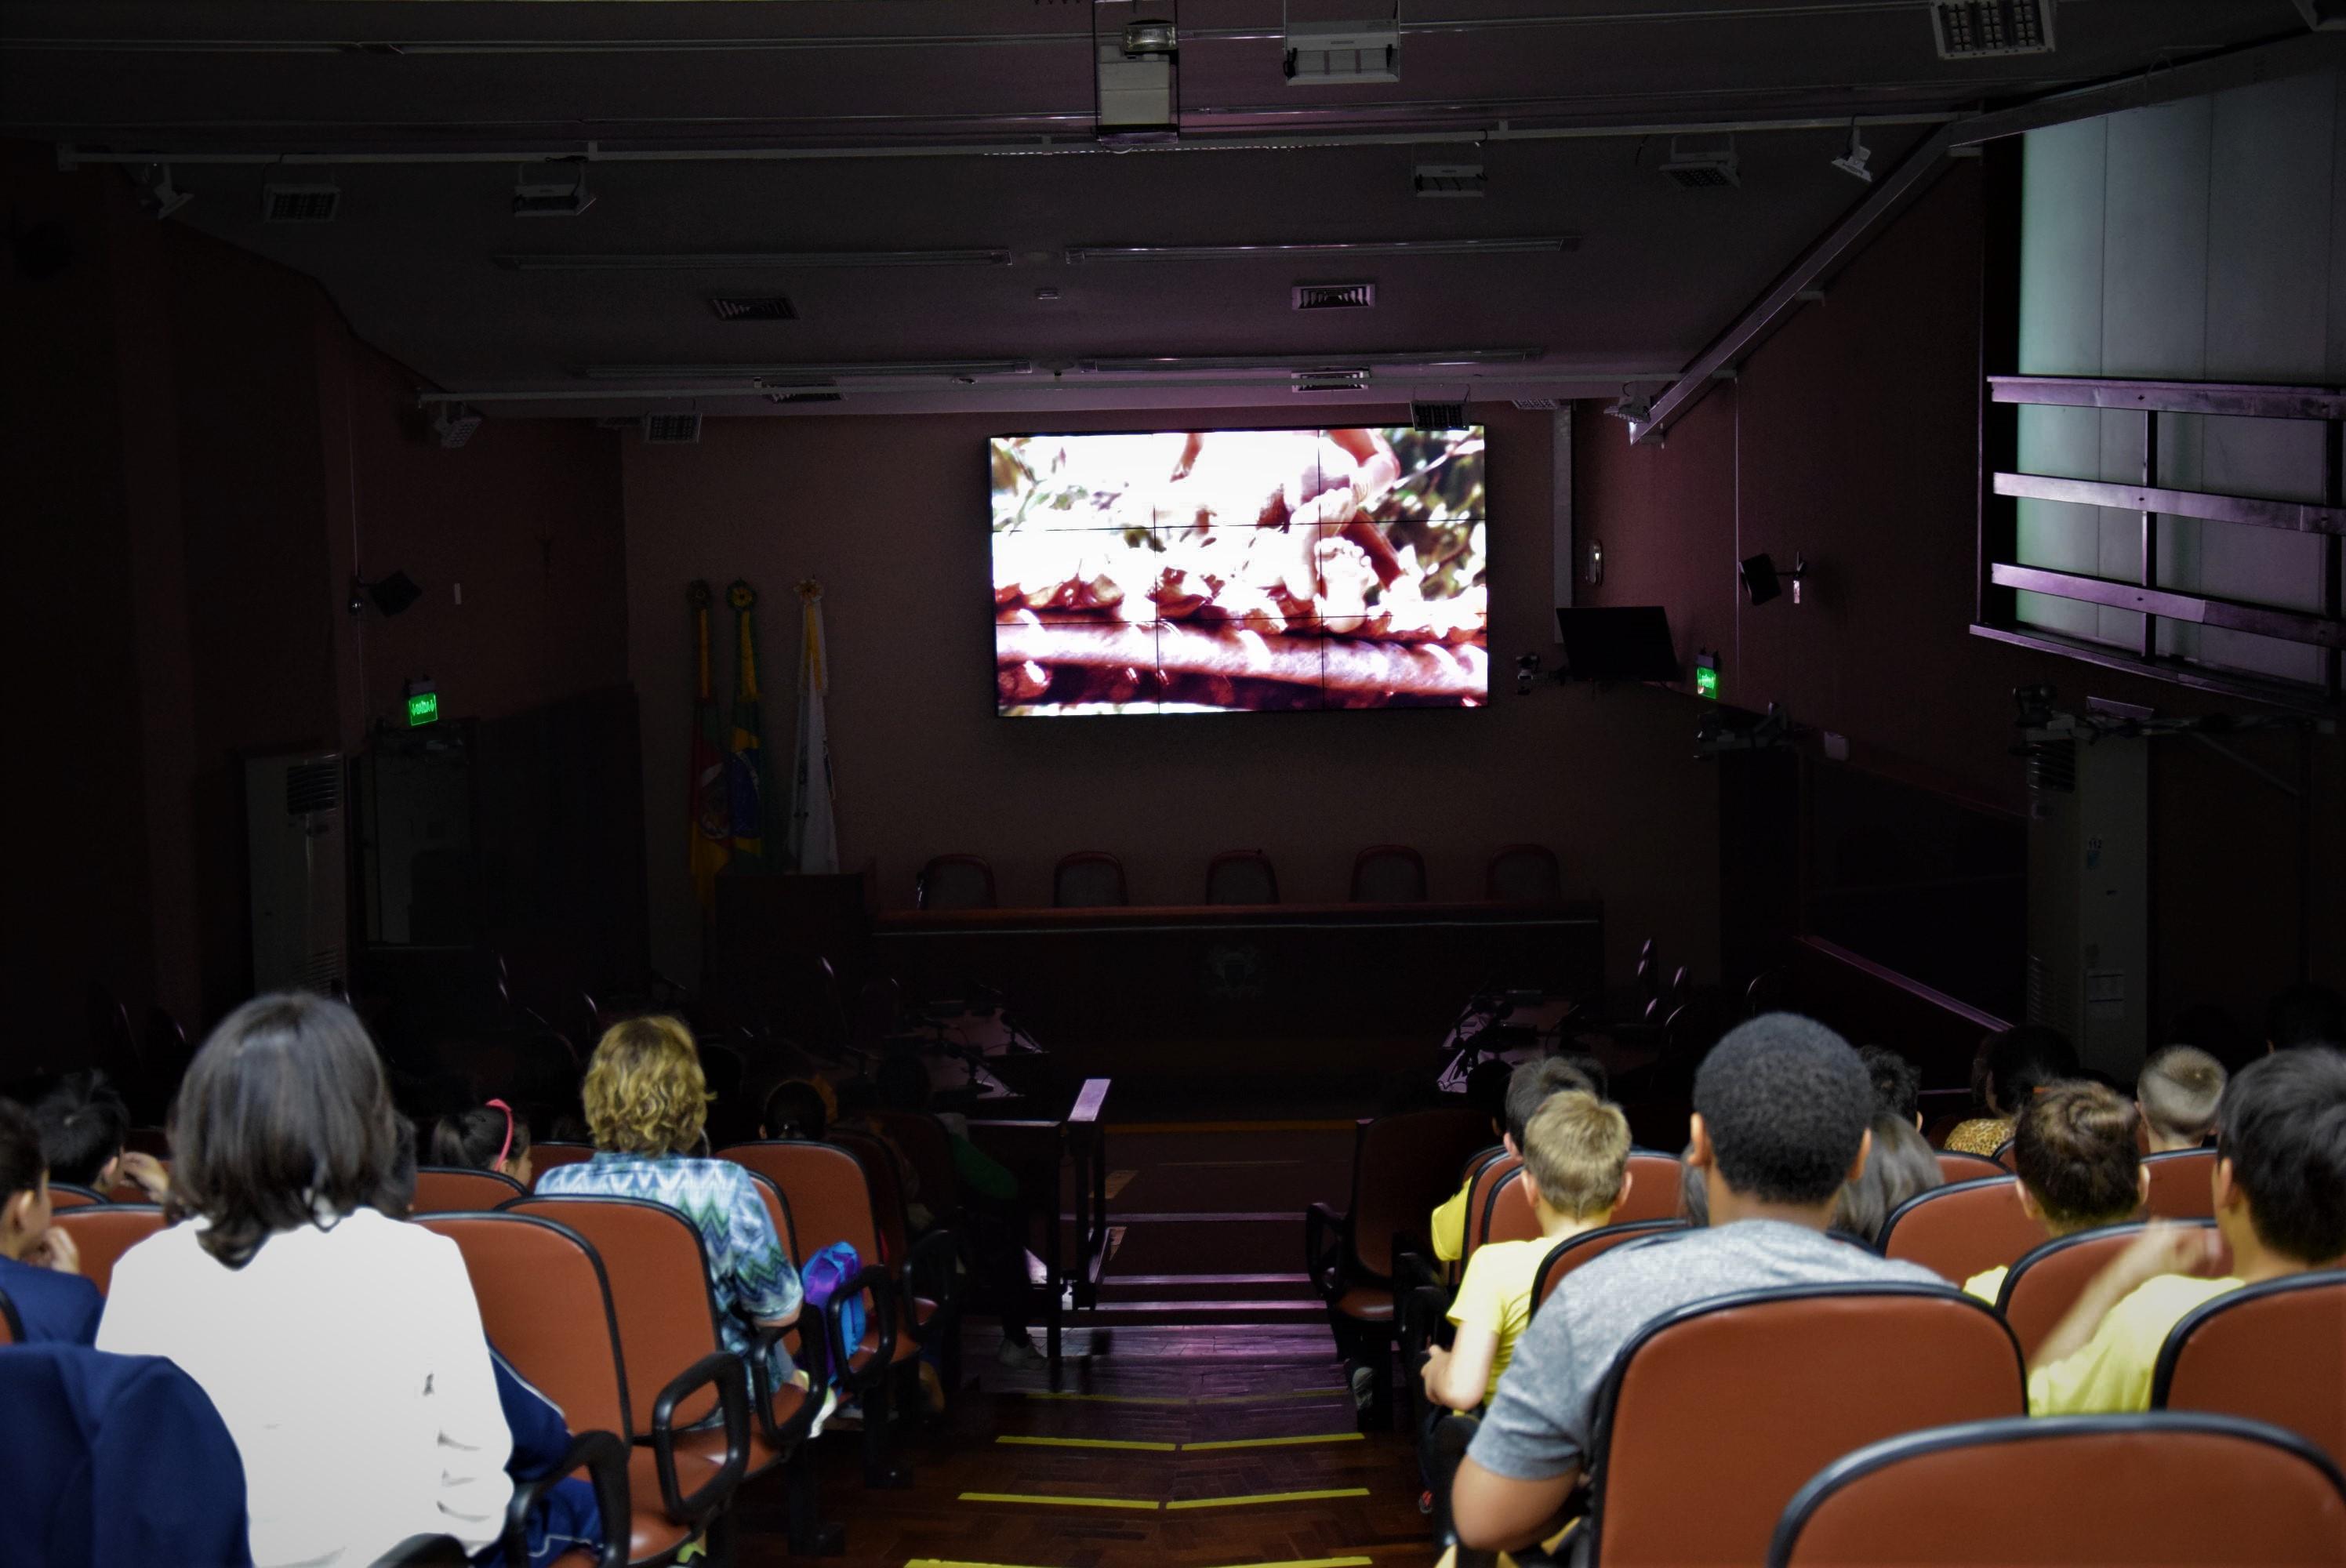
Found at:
<point>814,837</point>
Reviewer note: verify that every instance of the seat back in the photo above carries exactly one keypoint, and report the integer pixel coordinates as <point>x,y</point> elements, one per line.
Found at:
<point>1654,1179</point>
<point>885,1182</point>
<point>2271,1352</point>
<point>1755,1392</point>
<point>1574,1250</point>
<point>546,1305</point>
<point>1481,1186</point>
<point>2182,1185</point>
<point>2049,1278</point>
<point>1961,1228</point>
<point>66,1194</point>
<point>1508,1214</point>
<point>1954,1166</point>
<point>1402,1164</point>
<point>455,1189</point>
<point>1389,874</point>
<point>955,882</point>
<point>660,1299</point>
<point>1523,874</point>
<point>1088,879</point>
<point>102,1233</point>
<point>923,1141</point>
<point>543,1157</point>
<point>829,1197</point>
<point>1241,877</point>
<point>2083,1491</point>
<point>2004,1155</point>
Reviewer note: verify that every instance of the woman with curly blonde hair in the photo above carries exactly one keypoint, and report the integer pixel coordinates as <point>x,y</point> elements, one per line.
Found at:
<point>647,1102</point>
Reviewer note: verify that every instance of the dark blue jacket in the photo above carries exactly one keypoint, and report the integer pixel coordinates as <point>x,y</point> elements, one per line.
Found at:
<point>108,1460</point>
<point>52,1309</point>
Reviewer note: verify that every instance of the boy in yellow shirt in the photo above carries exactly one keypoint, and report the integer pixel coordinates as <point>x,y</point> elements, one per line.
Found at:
<point>1576,1153</point>
<point>2280,1206</point>
<point>1521,1091</point>
<point>2074,1150</point>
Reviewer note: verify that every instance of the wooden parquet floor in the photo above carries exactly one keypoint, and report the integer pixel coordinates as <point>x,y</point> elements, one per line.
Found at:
<point>1024,1477</point>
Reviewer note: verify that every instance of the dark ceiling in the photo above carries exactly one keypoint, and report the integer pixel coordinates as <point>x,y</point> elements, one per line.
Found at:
<point>817,126</point>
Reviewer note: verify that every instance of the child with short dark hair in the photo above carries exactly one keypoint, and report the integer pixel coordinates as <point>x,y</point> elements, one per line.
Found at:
<point>40,1271</point>
<point>2073,1149</point>
<point>83,1123</point>
<point>2177,1093</point>
<point>1526,1087</point>
<point>487,1138</point>
<point>2280,1190</point>
<point>1897,1083</point>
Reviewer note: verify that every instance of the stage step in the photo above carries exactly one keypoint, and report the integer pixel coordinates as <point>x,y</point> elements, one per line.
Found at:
<point>1110,1313</point>
<point>1129,1287</point>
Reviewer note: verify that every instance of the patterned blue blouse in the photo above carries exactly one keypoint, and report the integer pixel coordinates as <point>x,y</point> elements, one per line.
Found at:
<point>752,1276</point>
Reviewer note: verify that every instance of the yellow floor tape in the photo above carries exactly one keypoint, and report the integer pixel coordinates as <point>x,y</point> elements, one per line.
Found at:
<point>1271,1497</point>
<point>1090,1443</point>
<point>1148,1505</point>
<point>1273,1441</point>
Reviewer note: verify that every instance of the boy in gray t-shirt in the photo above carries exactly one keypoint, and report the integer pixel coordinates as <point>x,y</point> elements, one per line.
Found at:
<point>1780,1124</point>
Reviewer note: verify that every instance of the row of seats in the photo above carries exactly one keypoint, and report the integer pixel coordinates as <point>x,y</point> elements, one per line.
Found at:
<point>1381,874</point>
<point>605,1304</point>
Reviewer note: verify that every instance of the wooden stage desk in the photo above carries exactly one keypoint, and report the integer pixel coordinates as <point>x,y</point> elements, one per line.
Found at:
<point>1209,988</point>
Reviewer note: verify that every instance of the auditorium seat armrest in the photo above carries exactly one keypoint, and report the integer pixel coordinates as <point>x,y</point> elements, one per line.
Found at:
<point>605,1459</point>
<point>785,1435</point>
<point>1324,1234</point>
<point>723,1369</point>
<point>880,1320</point>
<point>937,1253</point>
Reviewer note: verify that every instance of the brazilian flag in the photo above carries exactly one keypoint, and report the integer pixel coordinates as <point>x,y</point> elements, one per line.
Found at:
<point>745,765</point>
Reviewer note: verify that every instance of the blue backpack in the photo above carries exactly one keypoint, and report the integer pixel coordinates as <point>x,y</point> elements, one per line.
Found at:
<point>823,1276</point>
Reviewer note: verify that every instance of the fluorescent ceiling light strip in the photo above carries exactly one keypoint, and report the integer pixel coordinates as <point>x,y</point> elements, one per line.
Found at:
<point>788,376</point>
<point>746,260</point>
<point>1517,246</point>
<point>1314,364</point>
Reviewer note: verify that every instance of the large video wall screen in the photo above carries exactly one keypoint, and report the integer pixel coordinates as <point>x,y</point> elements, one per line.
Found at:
<point>1240,570</point>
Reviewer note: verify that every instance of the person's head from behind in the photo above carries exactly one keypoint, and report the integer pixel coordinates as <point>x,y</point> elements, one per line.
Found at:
<point>796,1110</point>
<point>2305,1014</point>
<point>1897,1083</point>
<point>2280,1159</point>
<point>1898,1164</point>
<point>1486,1091</point>
<point>645,1092</point>
<point>2074,1150</point>
<point>24,1182</point>
<point>1781,1106</point>
<point>2177,1093</point>
<point>83,1123</point>
<point>1577,1158</point>
<point>1529,1088</point>
<point>487,1137</point>
<point>2014,1065</point>
<point>283,1120</point>
<point>902,1082</point>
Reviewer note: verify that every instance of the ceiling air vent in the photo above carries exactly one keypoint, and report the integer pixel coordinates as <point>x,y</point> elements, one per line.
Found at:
<point>1535,404</point>
<point>299,203</point>
<point>1332,296</point>
<point>1977,29</point>
<point>672,428</point>
<point>1437,416</point>
<point>1330,381</point>
<point>1702,169</point>
<point>1449,179</point>
<point>753,308</point>
<point>804,395</point>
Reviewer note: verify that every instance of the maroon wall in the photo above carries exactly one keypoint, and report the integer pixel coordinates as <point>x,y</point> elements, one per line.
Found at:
<point>1851,436</point>
<point>890,516</point>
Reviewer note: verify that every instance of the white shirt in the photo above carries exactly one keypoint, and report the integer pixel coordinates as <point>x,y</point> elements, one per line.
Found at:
<point>349,1366</point>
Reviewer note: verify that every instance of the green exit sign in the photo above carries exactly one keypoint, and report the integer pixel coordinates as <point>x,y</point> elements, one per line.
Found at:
<point>1706,684</point>
<point>423,707</point>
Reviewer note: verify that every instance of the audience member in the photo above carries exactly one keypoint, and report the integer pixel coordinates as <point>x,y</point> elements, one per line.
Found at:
<point>646,1103</point>
<point>488,1137</point>
<point>342,1348</point>
<point>83,1123</point>
<point>40,1271</point>
<point>1486,1091</point>
<point>2010,1066</point>
<point>1897,1166</point>
<point>2075,1152</point>
<point>2215,1030</point>
<point>1576,1169</point>
<point>2305,1014</point>
<point>1694,1196</point>
<point>1781,1112</point>
<point>1897,1083</point>
<point>2279,1188</point>
<point>2176,1093</point>
<point>1527,1086</point>
<point>798,1110</point>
